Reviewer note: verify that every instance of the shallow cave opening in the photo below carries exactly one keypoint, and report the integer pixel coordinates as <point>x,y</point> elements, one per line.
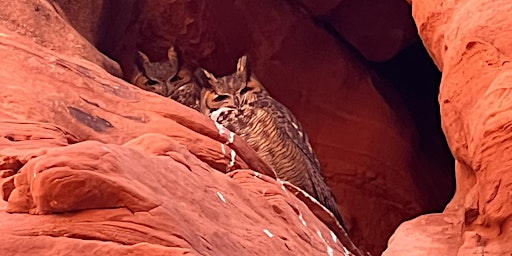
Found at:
<point>416,79</point>
<point>413,75</point>
<point>410,81</point>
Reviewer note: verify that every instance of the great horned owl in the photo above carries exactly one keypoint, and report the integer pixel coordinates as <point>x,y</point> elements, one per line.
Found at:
<point>167,78</point>
<point>240,103</point>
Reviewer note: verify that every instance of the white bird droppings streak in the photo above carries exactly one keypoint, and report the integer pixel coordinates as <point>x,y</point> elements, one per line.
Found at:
<point>334,237</point>
<point>225,133</point>
<point>320,235</point>
<point>222,129</point>
<point>231,137</point>
<point>268,233</point>
<point>282,184</point>
<point>233,155</point>
<point>223,148</point>
<point>221,197</point>
<point>302,220</point>
<point>330,251</point>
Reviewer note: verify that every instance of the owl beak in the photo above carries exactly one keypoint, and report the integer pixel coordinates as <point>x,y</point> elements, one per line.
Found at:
<point>237,102</point>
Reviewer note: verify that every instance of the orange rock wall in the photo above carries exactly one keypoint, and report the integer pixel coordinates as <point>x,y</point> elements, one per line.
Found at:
<point>470,43</point>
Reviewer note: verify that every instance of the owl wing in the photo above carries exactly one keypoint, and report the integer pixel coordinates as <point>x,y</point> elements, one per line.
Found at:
<point>291,129</point>
<point>289,126</point>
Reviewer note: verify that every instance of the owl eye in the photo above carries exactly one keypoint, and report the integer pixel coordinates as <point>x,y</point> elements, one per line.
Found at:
<point>221,97</point>
<point>151,82</point>
<point>174,79</point>
<point>245,90</point>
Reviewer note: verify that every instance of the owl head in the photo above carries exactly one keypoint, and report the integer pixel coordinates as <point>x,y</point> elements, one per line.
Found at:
<point>157,77</point>
<point>231,91</point>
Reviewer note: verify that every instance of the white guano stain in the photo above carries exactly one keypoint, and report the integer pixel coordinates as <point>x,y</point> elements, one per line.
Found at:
<point>334,237</point>
<point>233,156</point>
<point>302,220</point>
<point>223,149</point>
<point>268,233</point>
<point>231,137</point>
<point>225,133</point>
<point>221,197</point>
<point>330,251</point>
<point>320,235</point>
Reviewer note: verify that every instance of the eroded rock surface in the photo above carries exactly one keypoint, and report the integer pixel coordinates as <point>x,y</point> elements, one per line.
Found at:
<point>162,202</point>
<point>470,43</point>
<point>91,164</point>
<point>351,124</point>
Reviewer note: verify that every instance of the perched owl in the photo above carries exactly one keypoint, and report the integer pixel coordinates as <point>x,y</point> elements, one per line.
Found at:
<point>167,78</point>
<point>241,104</point>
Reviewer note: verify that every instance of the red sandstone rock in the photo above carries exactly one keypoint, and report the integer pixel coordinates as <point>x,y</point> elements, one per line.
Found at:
<point>111,169</point>
<point>151,203</point>
<point>352,124</point>
<point>470,43</point>
<point>39,21</point>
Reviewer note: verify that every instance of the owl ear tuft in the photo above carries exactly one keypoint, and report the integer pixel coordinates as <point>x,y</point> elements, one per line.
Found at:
<point>140,61</point>
<point>171,53</point>
<point>204,77</point>
<point>141,57</point>
<point>243,68</point>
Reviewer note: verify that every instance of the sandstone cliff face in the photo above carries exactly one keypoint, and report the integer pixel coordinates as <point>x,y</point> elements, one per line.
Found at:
<point>470,43</point>
<point>91,163</point>
<point>89,166</point>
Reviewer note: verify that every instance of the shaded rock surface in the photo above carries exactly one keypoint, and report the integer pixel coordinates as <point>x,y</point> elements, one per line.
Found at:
<point>379,30</point>
<point>39,20</point>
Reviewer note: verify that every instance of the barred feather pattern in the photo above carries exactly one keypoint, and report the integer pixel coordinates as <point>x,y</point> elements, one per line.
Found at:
<point>278,137</point>
<point>242,105</point>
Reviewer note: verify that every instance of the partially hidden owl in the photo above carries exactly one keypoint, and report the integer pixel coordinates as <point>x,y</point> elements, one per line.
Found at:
<point>167,78</point>
<point>241,104</point>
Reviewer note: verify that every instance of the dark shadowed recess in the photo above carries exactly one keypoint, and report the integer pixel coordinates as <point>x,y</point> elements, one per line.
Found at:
<point>416,78</point>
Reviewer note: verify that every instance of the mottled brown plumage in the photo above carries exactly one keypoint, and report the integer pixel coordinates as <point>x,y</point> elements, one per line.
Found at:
<point>167,78</point>
<point>240,103</point>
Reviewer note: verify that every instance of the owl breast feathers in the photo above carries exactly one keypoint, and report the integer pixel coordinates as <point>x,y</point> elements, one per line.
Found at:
<point>268,127</point>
